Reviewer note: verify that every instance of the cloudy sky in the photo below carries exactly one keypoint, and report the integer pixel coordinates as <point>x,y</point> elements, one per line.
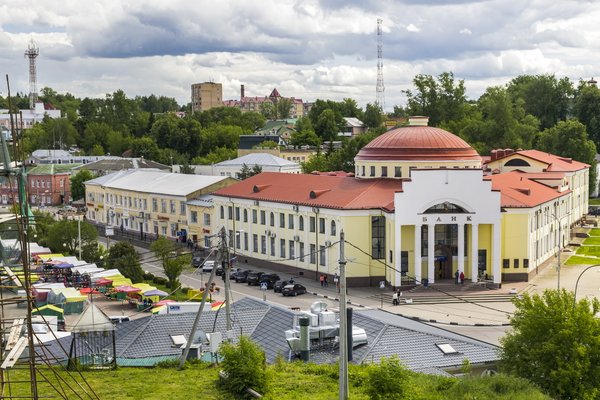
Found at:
<point>308,49</point>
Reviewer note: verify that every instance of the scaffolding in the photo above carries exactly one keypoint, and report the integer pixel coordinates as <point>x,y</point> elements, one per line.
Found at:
<point>28,369</point>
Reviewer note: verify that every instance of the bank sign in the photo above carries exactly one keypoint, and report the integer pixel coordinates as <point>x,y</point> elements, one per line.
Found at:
<point>447,218</point>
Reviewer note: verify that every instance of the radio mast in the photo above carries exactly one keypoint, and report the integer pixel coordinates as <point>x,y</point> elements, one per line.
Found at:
<point>32,52</point>
<point>380,89</point>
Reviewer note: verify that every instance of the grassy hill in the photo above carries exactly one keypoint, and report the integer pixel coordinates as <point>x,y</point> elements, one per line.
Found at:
<point>287,381</point>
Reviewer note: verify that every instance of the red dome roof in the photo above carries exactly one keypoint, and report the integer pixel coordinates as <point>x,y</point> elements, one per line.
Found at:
<point>417,143</point>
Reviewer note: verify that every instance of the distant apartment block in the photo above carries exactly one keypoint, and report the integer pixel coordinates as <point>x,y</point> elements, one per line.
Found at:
<point>206,95</point>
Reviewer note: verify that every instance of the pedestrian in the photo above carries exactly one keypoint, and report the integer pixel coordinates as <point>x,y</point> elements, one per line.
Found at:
<point>395,298</point>
<point>462,277</point>
<point>322,279</point>
<point>325,283</point>
<point>456,277</point>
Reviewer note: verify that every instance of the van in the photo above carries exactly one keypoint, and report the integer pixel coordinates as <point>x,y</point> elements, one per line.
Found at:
<point>208,266</point>
<point>117,319</point>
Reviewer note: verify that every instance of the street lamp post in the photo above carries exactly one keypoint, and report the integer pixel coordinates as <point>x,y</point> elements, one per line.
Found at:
<point>577,282</point>
<point>560,240</point>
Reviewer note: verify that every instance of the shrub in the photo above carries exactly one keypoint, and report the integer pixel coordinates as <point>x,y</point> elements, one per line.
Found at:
<point>148,276</point>
<point>388,380</point>
<point>159,280</point>
<point>245,365</point>
<point>185,289</point>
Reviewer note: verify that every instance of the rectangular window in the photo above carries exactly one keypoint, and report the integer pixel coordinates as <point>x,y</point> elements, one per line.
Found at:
<point>322,258</point>
<point>378,237</point>
<point>222,212</point>
<point>272,246</point>
<point>163,206</point>
<point>173,230</point>
<point>181,208</point>
<point>231,238</point>
<point>383,171</point>
<point>206,219</point>
<point>526,263</point>
<point>229,213</point>
<point>312,224</point>
<point>313,256</point>
<point>255,243</point>
<point>301,223</point>
<point>237,213</point>
<point>263,244</point>
<point>363,170</point>
<point>291,221</point>
<point>404,263</point>
<point>194,217</point>
<point>246,241</point>
<point>254,216</point>
<point>505,263</point>
<point>245,215</point>
<point>263,217</point>
<point>302,251</point>
<point>282,248</point>
<point>516,263</point>
<point>291,245</point>
<point>321,225</point>
<point>281,220</point>
<point>207,242</point>
<point>172,206</point>
<point>372,170</point>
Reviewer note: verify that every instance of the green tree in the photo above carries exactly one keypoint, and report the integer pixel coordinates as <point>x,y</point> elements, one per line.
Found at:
<point>63,237</point>
<point>283,108</point>
<point>124,257</point>
<point>94,253</point>
<point>145,147</point>
<point>216,156</point>
<point>268,110</point>
<point>246,367</point>
<point>318,162</point>
<point>43,222</point>
<point>587,109</point>
<point>569,139</point>
<point>77,183</point>
<point>97,150</point>
<point>164,249</point>
<point>555,343</point>
<point>328,125</point>
<point>388,380</point>
<point>373,116</point>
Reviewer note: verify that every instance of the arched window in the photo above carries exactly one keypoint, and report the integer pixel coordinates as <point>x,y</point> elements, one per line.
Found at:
<point>222,212</point>
<point>245,215</point>
<point>333,231</point>
<point>272,219</point>
<point>445,208</point>
<point>301,223</point>
<point>517,162</point>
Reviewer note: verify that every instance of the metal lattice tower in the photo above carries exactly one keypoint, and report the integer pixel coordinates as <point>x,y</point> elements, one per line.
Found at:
<point>32,52</point>
<point>380,89</point>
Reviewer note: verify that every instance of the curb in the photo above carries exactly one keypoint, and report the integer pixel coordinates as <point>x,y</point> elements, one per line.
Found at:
<point>336,299</point>
<point>453,323</point>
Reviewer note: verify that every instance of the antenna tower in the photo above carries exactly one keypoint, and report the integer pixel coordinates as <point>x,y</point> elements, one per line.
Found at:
<point>380,89</point>
<point>32,52</point>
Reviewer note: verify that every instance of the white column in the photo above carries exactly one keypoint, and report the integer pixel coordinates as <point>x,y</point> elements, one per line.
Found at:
<point>417,252</point>
<point>397,254</point>
<point>474,252</point>
<point>461,248</point>
<point>496,253</point>
<point>431,253</point>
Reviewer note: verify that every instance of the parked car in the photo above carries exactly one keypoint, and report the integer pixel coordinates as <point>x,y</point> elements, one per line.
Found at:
<point>197,261</point>
<point>277,286</point>
<point>208,266</point>
<point>220,271</point>
<point>269,279</point>
<point>254,278</point>
<point>293,290</point>
<point>240,275</point>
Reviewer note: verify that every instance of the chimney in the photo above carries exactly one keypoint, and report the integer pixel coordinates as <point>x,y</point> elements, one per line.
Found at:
<point>242,93</point>
<point>418,120</point>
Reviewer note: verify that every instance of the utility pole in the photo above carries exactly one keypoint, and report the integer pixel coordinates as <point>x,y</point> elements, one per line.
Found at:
<point>559,245</point>
<point>225,263</point>
<point>343,324</point>
<point>79,235</point>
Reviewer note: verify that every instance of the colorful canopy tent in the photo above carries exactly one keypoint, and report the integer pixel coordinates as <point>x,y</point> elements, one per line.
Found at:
<point>49,309</point>
<point>88,290</point>
<point>155,292</point>
<point>103,282</point>
<point>40,291</point>
<point>69,298</point>
<point>106,274</point>
<point>93,338</point>
<point>47,257</point>
<point>163,302</point>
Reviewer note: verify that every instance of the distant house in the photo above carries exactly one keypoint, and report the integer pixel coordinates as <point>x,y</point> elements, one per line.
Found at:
<point>266,161</point>
<point>254,103</point>
<point>353,127</point>
<point>48,156</point>
<point>29,117</point>
<point>110,165</point>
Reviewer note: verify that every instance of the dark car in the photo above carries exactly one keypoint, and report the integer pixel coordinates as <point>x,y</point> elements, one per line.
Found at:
<point>254,278</point>
<point>277,286</point>
<point>220,271</point>
<point>293,290</point>
<point>197,261</point>
<point>269,279</point>
<point>240,276</point>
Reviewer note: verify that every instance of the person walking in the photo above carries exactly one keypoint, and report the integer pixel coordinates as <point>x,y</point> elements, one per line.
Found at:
<point>325,283</point>
<point>462,277</point>
<point>456,277</point>
<point>322,280</point>
<point>395,298</point>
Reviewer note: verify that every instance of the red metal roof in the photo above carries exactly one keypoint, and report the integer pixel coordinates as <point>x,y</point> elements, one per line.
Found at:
<point>518,190</point>
<point>555,163</point>
<point>337,192</point>
<point>417,143</point>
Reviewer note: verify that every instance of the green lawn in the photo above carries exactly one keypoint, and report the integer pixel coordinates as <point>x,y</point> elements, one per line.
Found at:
<point>589,251</point>
<point>288,381</point>
<point>576,260</point>
<point>595,232</point>
<point>594,202</point>
<point>592,241</point>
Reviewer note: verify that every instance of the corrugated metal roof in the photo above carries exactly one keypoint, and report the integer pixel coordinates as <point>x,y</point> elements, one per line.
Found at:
<point>261,159</point>
<point>154,181</point>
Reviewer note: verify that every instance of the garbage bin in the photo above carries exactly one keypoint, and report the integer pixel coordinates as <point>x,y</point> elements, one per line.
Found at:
<point>425,282</point>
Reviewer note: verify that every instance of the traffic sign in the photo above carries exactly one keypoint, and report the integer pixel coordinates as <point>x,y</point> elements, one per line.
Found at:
<point>263,286</point>
<point>381,284</point>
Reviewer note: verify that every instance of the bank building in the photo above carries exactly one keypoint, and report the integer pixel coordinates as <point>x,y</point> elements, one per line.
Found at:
<point>421,207</point>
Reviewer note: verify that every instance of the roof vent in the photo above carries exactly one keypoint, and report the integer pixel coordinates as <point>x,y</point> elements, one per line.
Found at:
<point>569,160</point>
<point>526,192</point>
<point>316,193</point>
<point>258,188</point>
<point>418,121</point>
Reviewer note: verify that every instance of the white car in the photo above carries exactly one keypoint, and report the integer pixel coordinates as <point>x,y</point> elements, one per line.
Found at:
<point>208,266</point>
